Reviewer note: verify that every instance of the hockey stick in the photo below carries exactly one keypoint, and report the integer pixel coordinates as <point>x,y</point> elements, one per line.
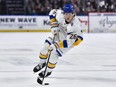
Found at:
<point>38,79</point>
<point>41,81</point>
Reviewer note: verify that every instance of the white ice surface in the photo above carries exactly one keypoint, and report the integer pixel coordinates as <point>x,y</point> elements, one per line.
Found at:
<point>91,64</point>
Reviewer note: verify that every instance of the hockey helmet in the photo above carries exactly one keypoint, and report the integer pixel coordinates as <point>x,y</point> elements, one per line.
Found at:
<point>68,8</point>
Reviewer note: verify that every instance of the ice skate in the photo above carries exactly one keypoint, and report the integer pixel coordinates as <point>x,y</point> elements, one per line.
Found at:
<point>41,74</point>
<point>39,67</point>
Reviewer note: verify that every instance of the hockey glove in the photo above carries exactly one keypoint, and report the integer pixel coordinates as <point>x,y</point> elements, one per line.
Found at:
<point>53,46</point>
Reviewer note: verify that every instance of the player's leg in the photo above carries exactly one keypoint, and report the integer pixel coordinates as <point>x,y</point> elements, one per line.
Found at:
<point>53,61</point>
<point>43,55</point>
<point>51,64</point>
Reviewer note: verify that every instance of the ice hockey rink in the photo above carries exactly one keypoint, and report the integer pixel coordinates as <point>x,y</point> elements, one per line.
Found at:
<point>91,64</point>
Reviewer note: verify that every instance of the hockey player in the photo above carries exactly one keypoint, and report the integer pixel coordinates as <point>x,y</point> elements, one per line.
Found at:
<point>67,33</point>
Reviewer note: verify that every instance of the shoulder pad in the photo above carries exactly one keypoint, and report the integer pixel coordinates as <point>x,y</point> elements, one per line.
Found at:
<point>53,12</point>
<point>59,16</point>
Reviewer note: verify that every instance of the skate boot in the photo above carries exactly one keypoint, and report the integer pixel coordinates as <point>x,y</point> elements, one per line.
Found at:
<point>39,67</point>
<point>41,74</point>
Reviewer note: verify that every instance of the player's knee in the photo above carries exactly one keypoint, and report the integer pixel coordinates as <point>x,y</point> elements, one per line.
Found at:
<point>49,41</point>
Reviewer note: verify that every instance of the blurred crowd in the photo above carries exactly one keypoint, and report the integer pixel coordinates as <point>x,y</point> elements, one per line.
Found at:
<point>82,7</point>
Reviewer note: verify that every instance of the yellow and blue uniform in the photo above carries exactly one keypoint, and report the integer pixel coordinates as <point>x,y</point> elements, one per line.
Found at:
<point>68,36</point>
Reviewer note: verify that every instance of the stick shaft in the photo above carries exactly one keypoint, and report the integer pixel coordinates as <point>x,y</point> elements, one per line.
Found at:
<point>47,63</point>
<point>46,67</point>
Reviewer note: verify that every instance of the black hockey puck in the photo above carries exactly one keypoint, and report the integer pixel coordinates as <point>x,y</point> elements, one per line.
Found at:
<point>46,83</point>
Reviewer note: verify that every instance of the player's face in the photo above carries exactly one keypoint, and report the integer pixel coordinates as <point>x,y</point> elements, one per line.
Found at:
<point>68,16</point>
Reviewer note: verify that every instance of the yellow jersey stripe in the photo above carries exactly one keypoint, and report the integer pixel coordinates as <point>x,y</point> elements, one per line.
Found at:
<point>53,20</point>
<point>77,42</point>
<point>63,44</point>
<point>54,25</point>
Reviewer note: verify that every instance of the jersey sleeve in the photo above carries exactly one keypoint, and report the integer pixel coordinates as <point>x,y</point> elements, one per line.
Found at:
<point>52,16</point>
<point>53,21</point>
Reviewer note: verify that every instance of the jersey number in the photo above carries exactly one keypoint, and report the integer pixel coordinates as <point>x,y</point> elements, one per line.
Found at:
<point>73,36</point>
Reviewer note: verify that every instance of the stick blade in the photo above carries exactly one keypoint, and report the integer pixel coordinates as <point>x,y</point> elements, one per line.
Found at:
<point>46,84</point>
<point>39,81</point>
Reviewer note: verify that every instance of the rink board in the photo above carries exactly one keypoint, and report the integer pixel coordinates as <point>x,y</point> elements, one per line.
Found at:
<point>31,23</point>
